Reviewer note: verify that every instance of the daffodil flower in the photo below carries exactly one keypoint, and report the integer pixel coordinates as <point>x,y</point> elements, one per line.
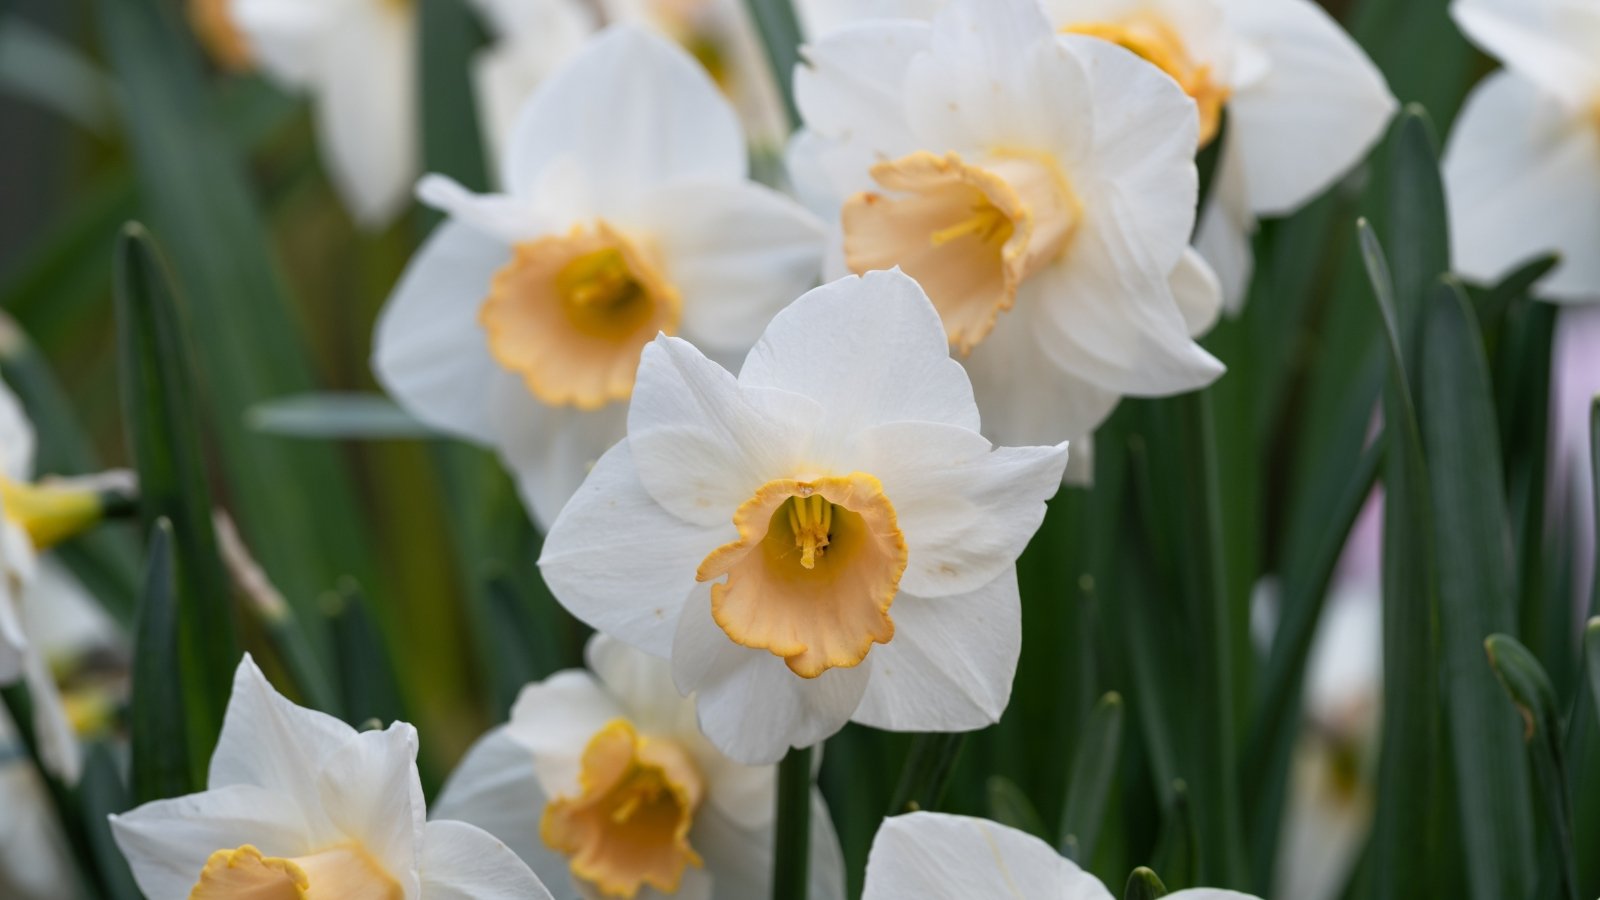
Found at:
<point>602,778</point>
<point>935,856</point>
<point>300,806</point>
<point>1303,102</point>
<point>357,61</point>
<point>534,37</point>
<point>1040,187</point>
<point>1522,166</point>
<point>627,214</point>
<point>825,537</point>
<point>33,518</point>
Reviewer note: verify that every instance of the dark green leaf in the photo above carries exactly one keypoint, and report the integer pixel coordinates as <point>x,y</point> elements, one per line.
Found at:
<point>1404,851</point>
<point>369,689</point>
<point>327,416</point>
<point>927,772</point>
<point>1591,656</point>
<point>791,851</point>
<point>192,183</point>
<point>1535,701</point>
<point>1094,771</point>
<point>1009,806</point>
<point>1493,303</point>
<point>160,766</point>
<point>781,37</point>
<point>100,794</point>
<point>452,140</point>
<point>1476,597</point>
<point>159,415</point>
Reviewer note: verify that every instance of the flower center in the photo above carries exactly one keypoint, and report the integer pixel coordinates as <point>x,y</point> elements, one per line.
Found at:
<point>48,513</point>
<point>346,872</point>
<point>572,313</point>
<point>813,573</point>
<point>971,235</point>
<point>1158,42</point>
<point>629,825</point>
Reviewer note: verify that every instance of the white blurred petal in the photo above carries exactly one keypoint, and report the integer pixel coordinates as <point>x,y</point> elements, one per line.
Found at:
<point>1198,292</point>
<point>1550,42</point>
<point>371,793</point>
<point>494,787</point>
<point>461,862</point>
<point>934,856</point>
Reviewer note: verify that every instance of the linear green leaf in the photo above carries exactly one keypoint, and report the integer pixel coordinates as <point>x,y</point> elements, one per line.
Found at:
<point>159,414</point>
<point>159,766</point>
<point>791,852</point>
<point>1094,771</point>
<point>781,37</point>
<point>1405,845</point>
<point>1476,596</point>
<point>101,793</point>
<point>1418,241</point>
<point>336,416</point>
<point>1591,664</point>
<point>1009,806</point>
<point>193,187</point>
<point>452,140</point>
<point>927,772</point>
<point>1535,701</point>
<point>368,686</point>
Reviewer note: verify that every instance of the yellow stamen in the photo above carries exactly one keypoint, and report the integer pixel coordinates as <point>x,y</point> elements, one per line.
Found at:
<point>629,825</point>
<point>813,573</point>
<point>985,224</point>
<point>571,313</point>
<point>345,872</point>
<point>50,513</point>
<point>1153,38</point>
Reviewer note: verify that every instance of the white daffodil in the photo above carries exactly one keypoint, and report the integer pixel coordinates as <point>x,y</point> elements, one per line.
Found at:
<point>1042,190</point>
<point>627,214</point>
<point>300,805</point>
<point>1304,104</point>
<point>759,529</point>
<point>534,37</point>
<point>1522,166</point>
<point>357,60</point>
<point>34,517</point>
<point>934,856</point>
<point>603,779</point>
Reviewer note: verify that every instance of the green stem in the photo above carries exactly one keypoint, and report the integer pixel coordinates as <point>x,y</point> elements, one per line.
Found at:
<point>791,851</point>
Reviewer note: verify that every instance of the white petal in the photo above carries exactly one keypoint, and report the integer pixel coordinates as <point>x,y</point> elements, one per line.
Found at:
<point>461,862</point>
<point>494,787</point>
<point>951,663</point>
<point>550,449</point>
<point>934,856</point>
<point>286,35</point>
<point>635,112</point>
<point>621,563</point>
<point>371,793</point>
<point>1523,179</point>
<point>1198,292</point>
<point>641,686</point>
<point>555,719</point>
<point>366,110</point>
<point>702,444</point>
<point>851,91</point>
<point>993,76</point>
<point>13,639</point>
<point>16,437</point>
<point>822,17</point>
<point>737,252</point>
<point>1109,315</point>
<point>1227,226</point>
<point>167,842</point>
<point>751,706</point>
<point>966,508</point>
<point>505,219</point>
<point>1210,894</point>
<point>1080,465</point>
<point>270,742</point>
<point>870,350</point>
<point>740,859</point>
<point>429,352</point>
<point>58,743</point>
<point>1550,42</point>
<point>1320,107</point>
<point>1141,164</point>
<point>1025,396</point>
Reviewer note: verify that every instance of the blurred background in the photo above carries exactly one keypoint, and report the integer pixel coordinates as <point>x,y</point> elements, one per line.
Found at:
<point>407,561</point>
